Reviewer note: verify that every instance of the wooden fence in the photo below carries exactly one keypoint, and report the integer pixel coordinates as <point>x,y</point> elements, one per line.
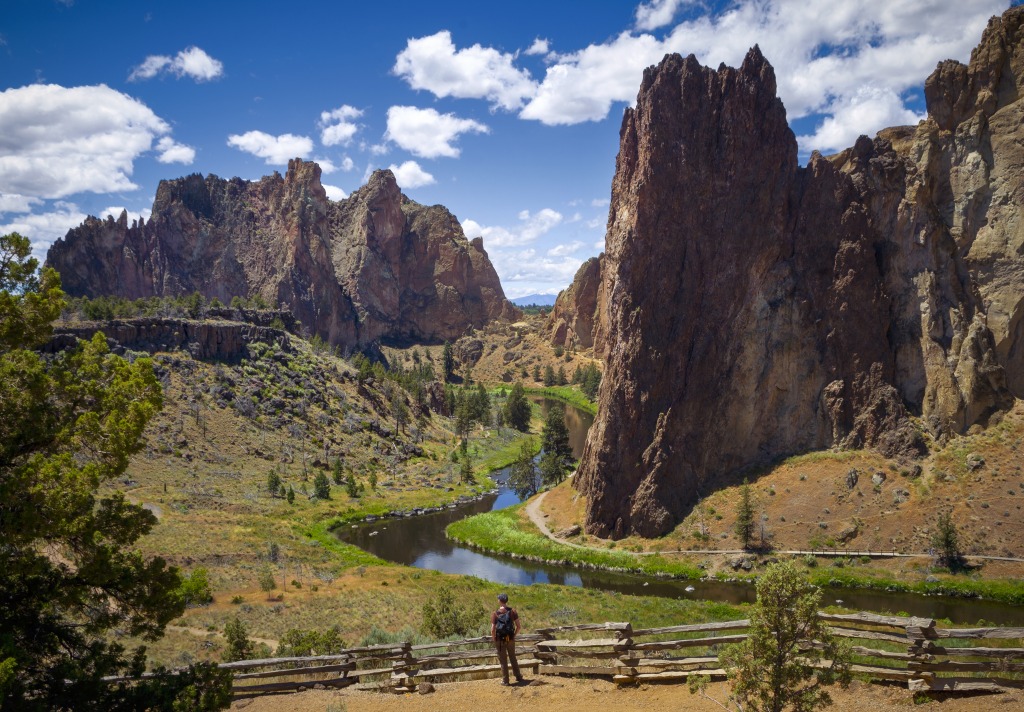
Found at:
<point>910,650</point>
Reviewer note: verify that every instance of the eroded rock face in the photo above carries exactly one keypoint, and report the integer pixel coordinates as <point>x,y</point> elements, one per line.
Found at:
<point>756,308</point>
<point>373,266</point>
<point>573,322</point>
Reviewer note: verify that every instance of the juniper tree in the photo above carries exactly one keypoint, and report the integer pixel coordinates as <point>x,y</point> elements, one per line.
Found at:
<point>744,526</point>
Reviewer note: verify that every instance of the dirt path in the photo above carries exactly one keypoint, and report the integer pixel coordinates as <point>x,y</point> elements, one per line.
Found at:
<point>533,511</point>
<point>204,633</point>
<point>557,694</point>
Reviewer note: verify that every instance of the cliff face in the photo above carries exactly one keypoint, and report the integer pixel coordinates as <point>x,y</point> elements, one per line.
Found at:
<point>757,309</point>
<point>573,321</point>
<point>373,266</point>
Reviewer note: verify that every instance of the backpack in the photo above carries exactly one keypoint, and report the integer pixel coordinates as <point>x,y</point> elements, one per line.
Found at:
<point>504,625</point>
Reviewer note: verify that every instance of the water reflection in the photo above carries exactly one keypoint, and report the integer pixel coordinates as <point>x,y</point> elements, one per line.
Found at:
<point>421,542</point>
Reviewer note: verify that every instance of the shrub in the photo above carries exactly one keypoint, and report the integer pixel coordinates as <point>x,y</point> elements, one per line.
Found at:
<point>443,617</point>
<point>239,647</point>
<point>195,588</point>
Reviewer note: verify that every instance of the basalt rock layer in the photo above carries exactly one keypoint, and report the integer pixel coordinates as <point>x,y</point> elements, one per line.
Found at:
<point>756,308</point>
<point>373,266</point>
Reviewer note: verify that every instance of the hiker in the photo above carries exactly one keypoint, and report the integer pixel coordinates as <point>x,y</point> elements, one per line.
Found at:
<point>504,627</point>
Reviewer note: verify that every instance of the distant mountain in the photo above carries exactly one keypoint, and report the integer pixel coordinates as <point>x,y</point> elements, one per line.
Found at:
<point>540,300</point>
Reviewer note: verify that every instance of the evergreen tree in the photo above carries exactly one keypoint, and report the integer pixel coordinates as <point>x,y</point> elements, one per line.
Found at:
<point>536,372</point>
<point>400,410</point>
<point>337,473</point>
<point>946,542</point>
<point>291,495</point>
<point>447,362</point>
<point>238,646</point>
<point>744,526</point>
<point>590,381</point>
<point>555,442</point>
<point>321,486</point>
<point>774,668</point>
<point>517,408</point>
<point>560,378</point>
<point>466,470</point>
<point>273,483</point>
<point>549,376</point>
<point>524,478</point>
<point>352,486</point>
<point>69,572</point>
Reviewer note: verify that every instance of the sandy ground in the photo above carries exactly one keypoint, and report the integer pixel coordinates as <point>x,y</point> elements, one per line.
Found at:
<point>577,695</point>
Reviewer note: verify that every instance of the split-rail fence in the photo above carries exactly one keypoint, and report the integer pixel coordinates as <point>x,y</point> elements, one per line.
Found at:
<point>888,648</point>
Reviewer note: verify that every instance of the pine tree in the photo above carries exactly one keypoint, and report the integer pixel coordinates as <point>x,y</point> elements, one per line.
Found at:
<point>946,541</point>
<point>352,486</point>
<point>555,442</point>
<point>321,486</point>
<point>291,495</point>
<point>466,471</point>
<point>744,527</point>
<point>447,362</point>
<point>517,408</point>
<point>337,473</point>
<point>523,477</point>
<point>273,483</point>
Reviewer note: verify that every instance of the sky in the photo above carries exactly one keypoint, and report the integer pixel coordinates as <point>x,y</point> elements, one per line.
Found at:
<point>508,114</point>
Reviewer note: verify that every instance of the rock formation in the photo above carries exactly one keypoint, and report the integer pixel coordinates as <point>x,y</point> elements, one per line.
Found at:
<point>756,308</point>
<point>573,321</point>
<point>373,266</point>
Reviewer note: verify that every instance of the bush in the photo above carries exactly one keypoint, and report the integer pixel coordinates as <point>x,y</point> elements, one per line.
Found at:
<point>195,588</point>
<point>443,617</point>
<point>301,643</point>
<point>239,647</point>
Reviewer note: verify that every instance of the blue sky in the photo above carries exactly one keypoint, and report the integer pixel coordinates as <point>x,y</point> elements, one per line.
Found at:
<point>508,114</point>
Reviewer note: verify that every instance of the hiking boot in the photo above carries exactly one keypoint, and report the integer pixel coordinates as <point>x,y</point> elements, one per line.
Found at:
<point>520,681</point>
<point>504,683</point>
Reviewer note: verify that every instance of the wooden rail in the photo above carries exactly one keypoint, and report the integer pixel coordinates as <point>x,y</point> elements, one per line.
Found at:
<point>904,649</point>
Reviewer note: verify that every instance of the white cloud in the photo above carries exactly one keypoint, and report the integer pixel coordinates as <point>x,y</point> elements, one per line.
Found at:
<point>539,46</point>
<point>43,229</point>
<point>336,126</point>
<point>427,133</point>
<point>275,150</point>
<point>595,223</point>
<point>476,72</point>
<point>524,271</point>
<point>115,212</point>
<point>565,250</point>
<point>867,112</point>
<point>14,203</point>
<point>326,165</point>
<point>600,202</point>
<point>56,141</point>
<point>409,175</point>
<point>347,164</point>
<point>173,152</point>
<point>830,58</point>
<point>530,228</point>
<point>657,13</point>
<point>334,192</point>
<point>190,62</point>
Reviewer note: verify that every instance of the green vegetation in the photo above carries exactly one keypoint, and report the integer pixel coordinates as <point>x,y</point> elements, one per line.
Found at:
<point>524,478</point>
<point>189,306</point>
<point>517,408</point>
<point>946,541</point>
<point>195,588</point>
<point>567,394</point>
<point>69,569</point>
<point>238,647</point>
<point>744,526</point>
<point>299,643</point>
<point>444,616</point>
<point>504,532</point>
<point>769,670</point>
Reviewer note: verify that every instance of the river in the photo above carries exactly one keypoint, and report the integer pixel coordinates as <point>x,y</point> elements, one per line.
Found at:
<point>421,542</point>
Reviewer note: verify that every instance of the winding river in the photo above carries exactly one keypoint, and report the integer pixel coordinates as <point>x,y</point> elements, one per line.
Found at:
<point>420,541</point>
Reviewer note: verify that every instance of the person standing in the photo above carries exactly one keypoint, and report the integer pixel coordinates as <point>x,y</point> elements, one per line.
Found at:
<point>504,628</point>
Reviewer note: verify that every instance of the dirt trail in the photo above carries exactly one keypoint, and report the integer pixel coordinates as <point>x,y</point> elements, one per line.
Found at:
<point>204,633</point>
<point>556,694</point>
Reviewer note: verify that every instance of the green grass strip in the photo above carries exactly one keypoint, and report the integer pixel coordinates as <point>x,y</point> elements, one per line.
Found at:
<point>567,394</point>
<point>501,532</point>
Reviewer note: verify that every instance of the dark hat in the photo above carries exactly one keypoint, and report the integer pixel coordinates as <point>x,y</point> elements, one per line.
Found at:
<point>503,597</point>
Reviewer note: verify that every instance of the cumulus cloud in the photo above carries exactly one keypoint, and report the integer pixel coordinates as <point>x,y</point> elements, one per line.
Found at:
<point>56,141</point>
<point>43,229</point>
<point>565,250</point>
<point>337,127</point>
<point>326,165</point>
<point>14,203</point>
<point>657,13</point>
<point>530,227</point>
<point>347,164</point>
<point>525,272</point>
<point>409,175</point>
<point>173,152</point>
<point>274,150</point>
<point>840,61</point>
<point>539,46</point>
<point>334,192</point>
<point>476,72</point>
<point>427,133</point>
<point>866,112</point>
<point>190,62</point>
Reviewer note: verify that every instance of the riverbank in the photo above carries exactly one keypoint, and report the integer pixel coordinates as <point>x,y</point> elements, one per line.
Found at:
<point>510,532</point>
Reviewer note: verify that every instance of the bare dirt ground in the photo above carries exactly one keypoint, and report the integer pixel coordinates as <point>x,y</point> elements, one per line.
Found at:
<point>572,695</point>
